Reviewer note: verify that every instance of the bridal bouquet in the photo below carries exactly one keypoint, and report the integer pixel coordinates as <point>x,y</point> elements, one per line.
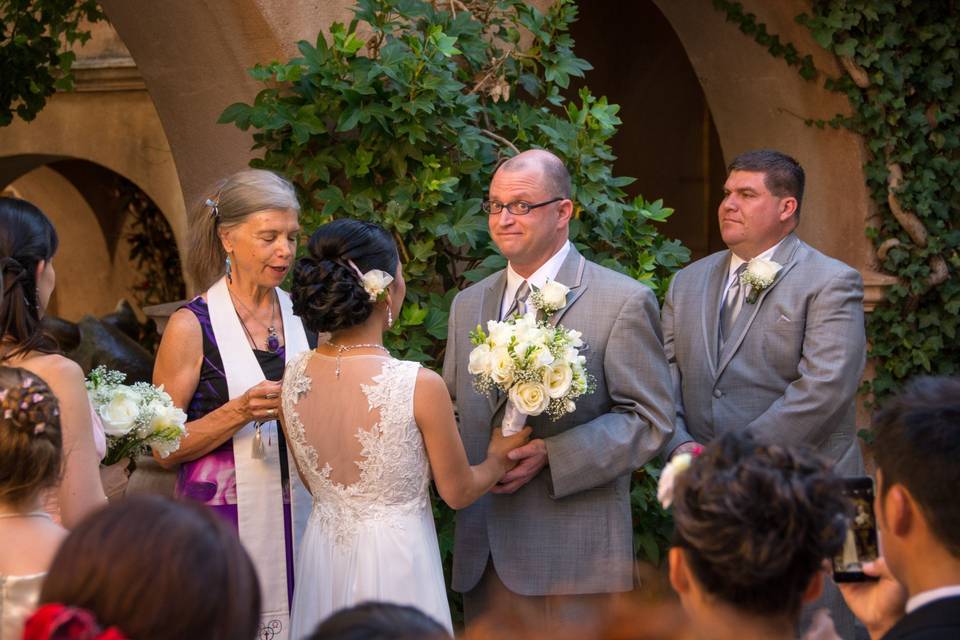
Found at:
<point>135,417</point>
<point>537,365</point>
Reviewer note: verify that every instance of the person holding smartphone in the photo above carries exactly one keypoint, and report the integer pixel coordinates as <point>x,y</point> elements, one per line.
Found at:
<point>916,591</point>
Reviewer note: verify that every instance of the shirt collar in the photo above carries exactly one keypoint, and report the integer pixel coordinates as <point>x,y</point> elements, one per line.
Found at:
<point>926,597</point>
<point>736,261</point>
<point>547,271</point>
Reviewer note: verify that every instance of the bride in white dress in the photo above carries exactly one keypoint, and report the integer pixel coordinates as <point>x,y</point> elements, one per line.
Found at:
<point>366,430</point>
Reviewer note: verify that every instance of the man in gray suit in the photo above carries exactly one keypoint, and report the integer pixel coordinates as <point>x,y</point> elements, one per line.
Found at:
<point>783,361</point>
<point>559,523</point>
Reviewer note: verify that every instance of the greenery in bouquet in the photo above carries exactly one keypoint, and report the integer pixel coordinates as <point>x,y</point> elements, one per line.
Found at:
<point>135,417</point>
<point>537,364</point>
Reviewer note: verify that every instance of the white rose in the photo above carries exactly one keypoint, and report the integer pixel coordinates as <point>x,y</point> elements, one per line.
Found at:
<point>575,338</point>
<point>499,333</point>
<point>166,418</point>
<point>530,397</point>
<point>558,379</point>
<point>554,294</point>
<point>480,359</point>
<point>121,412</point>
<point>501,366</point>
<point>763,270</point>
<point>375,282</point>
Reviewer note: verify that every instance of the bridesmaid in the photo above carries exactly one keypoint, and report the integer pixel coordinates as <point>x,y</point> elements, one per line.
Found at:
<point>28,243</point>
<point>31,455</point>
<point>221,358</point>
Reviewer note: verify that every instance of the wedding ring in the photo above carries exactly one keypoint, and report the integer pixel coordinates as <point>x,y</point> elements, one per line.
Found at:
<point>273,412</point>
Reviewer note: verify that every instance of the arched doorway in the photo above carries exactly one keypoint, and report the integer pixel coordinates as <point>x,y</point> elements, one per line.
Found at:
<point>668,140</point>
<point>115,242</point>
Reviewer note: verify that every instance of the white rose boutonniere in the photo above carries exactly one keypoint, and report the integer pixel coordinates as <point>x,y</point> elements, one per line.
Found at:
<point>550,298</point>
<point>759,275</point>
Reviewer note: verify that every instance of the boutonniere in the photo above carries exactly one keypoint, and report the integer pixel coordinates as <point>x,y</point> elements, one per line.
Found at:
<point>550,298</point>
<point>759,275</point>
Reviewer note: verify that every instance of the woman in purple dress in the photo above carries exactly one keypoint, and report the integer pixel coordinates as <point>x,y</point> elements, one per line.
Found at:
<point>221,359</point>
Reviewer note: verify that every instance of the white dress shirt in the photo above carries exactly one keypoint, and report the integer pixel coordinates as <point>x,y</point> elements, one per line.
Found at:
<point>547,271</point>
<point>735,262</point>
<point>926,597</point>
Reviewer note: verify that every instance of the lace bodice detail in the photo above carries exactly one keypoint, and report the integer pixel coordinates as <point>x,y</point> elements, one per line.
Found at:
<point>394,468</point>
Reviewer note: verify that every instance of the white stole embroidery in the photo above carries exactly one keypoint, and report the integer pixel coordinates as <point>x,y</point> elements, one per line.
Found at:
<point>259,494</point>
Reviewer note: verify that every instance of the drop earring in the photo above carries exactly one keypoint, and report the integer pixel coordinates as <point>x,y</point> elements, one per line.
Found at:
<point>389,317</point>
<point>38,300</point>
<point>229,276</point>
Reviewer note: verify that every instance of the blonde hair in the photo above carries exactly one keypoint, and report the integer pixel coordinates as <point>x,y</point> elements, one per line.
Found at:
<point>228,204</point>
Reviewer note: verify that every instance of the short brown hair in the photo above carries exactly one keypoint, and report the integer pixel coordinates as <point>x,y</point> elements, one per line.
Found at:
<point>31,444</point>
<point>782,175</point>
<point>158,569</point>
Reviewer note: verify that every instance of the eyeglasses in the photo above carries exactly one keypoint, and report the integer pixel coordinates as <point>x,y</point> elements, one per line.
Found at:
<point>517,207</point>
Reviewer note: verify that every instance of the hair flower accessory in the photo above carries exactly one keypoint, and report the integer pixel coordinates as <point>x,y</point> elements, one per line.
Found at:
<point>375,281</point>
<point>759,274</point>
<point>668,476</point>
<point>70,623</point>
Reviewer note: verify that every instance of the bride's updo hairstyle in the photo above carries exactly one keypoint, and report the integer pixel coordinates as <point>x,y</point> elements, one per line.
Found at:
<point>756,522</point>
<point>327,292</point>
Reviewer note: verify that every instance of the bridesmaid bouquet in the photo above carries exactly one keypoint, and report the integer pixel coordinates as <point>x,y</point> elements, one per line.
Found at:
<point>536,364</point>
<point>135,417</point>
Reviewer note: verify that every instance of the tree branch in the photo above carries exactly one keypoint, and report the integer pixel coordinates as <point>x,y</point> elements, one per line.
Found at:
<point>500,139</point>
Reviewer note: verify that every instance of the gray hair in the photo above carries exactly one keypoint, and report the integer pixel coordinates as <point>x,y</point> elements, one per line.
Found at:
<point>230,202</point>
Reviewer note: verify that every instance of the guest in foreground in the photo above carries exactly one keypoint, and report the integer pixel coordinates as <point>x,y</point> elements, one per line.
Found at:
<point>28,243</point>
<point>768,336</point>
<point>31,458</point>
<point>380,621</point>
<point>753,526</point>
<point>149,568</point>
<point>221,360</point>
<point>367,430</point>
<point>558,527</point>
<point>917,452</point>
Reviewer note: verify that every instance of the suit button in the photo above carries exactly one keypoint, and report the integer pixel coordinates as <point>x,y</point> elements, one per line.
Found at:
<point>717,393</point>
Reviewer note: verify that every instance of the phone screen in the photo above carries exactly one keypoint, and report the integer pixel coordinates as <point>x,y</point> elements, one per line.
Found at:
<point>860,544</point>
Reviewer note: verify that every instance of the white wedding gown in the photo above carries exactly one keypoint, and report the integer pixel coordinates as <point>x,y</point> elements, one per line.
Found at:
<point>371,534</point>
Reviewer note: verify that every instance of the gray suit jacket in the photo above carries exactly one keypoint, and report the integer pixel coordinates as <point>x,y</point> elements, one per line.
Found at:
<point>791,368</point>
<point>568,530</point>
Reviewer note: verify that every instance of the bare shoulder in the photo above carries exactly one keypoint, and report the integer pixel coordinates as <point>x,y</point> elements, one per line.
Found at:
<point>54,368</point>
<point>182,324</point>
<point>429,381</point>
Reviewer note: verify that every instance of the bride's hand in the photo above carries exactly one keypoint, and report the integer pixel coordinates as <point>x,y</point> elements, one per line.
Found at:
<point>500,445</point>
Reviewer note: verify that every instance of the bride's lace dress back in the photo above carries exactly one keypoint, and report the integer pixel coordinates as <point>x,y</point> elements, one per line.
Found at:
<point>371,534</point>
<point>360,451</point>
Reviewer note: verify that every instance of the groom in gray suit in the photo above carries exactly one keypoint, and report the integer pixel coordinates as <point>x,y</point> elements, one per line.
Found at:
<point>559,523</point>
<point>782,360</point>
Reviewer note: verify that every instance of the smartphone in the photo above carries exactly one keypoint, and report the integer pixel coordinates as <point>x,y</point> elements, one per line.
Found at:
<point>860,544</point>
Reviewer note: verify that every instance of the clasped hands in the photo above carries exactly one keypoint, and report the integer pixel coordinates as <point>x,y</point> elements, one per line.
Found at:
<point>528,460</point>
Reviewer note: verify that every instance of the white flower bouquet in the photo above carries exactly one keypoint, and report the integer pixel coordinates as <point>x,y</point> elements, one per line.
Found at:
<point>135,417</point>
<point>537,365</point>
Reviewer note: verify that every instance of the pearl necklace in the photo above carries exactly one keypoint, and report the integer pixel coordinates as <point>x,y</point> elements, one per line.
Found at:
<point>348,347</point>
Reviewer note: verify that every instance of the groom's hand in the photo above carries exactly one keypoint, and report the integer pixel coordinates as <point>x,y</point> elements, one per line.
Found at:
<point>530,459</point>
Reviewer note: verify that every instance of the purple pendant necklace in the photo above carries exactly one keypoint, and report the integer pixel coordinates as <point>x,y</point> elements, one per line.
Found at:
<point>273,339</point>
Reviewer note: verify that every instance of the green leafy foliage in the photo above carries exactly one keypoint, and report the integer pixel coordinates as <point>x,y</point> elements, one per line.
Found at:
<point>33,41</point>
<point>405,126</point>
<point>905,103</point>
<point>747,22</point>
<point>909,115</point>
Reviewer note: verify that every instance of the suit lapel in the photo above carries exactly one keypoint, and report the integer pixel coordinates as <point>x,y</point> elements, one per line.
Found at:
<point>786,254</point>
<point>490,306</point>
<point>711,308</point>
<point>570,275</point>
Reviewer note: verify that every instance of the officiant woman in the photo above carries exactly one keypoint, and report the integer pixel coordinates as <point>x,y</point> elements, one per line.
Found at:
<point>221,358</point>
